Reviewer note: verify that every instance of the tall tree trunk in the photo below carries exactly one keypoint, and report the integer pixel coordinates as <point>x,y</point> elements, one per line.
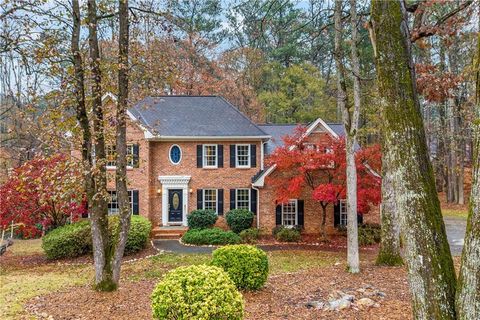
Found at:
<point>468,295</point>
<point>350,122</point>
<point>390,244</point>
<point>121,143</point>
<point>102,250</point>
<point>81,111</point>
<point>430,267</point>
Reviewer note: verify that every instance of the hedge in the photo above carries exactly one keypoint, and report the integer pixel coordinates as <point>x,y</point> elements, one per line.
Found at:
<point>288,235</point>
<point>197,292</point>
<point>239,219</point>
<point>75,239</point>
<point>246,265</point>
<point>213,236</point>
<point>250,235</point>
<point>201,219</point>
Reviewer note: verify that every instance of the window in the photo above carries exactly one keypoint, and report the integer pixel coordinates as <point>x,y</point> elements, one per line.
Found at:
<point>113,203</point>
<point>111,151</point>
<point>243,156</point>
<point>175,154</point>
<point>343,212</point>
<point>289,213</point>
<point>310,146</point>
<point>210,199</point>
<point>210,156</point>
<point>243,199</point>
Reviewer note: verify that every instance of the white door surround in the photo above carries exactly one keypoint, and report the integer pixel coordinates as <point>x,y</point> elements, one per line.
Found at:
<point>174,182</point>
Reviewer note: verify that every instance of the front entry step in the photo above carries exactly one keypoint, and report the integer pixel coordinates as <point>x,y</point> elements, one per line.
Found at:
<point>168,232</point>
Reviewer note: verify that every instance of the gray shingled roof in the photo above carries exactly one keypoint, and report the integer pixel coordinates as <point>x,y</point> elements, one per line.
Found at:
<point>278,131</point>
<point>187,116</point>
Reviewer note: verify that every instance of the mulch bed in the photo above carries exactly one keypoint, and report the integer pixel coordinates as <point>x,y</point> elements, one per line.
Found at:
<point>284,297</point>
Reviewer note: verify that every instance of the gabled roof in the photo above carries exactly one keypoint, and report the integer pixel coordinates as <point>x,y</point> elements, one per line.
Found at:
<point>194,117</point>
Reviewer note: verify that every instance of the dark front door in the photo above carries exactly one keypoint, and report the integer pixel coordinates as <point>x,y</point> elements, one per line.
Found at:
<point>175,205</point>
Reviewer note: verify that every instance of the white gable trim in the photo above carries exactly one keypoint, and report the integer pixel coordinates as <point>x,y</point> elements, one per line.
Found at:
<point>260,182</point>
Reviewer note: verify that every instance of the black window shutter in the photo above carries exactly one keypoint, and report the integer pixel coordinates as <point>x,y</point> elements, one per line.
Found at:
<point>135,206</point>
<point>359,218</point>
<point>253,201</point>
<point>253,155</point>
<point>232,156</point>
<point>300,211</point>
<point>199,156</point>
<point>199,199</point>
<point>136,155</point>
<point>278,214</point>
<point>220,155</point>
<point>232,199</point>
<point>336,214</point>
<point>220,202</point>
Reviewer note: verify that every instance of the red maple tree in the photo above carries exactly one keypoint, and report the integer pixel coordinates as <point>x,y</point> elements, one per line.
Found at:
<point>322,168</point>
<point>45,192</point>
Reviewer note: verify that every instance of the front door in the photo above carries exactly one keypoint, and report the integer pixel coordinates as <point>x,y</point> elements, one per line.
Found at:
<point>175,205</point>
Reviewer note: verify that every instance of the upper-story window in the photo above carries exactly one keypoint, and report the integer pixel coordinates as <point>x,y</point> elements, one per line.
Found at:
<point>175,154</point>
<point>210,156</point>
<point>132,155</point>
<point>243,155</point>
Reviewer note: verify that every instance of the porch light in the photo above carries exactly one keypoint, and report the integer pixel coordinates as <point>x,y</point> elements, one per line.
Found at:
<point>159,191</point>
<point>190,190</point>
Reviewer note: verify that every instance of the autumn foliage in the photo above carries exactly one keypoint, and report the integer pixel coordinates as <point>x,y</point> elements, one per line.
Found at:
<point>321,168</point>
<point>44,192</point>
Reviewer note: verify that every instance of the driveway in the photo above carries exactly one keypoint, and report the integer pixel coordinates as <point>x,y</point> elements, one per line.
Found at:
<point>455,233</point>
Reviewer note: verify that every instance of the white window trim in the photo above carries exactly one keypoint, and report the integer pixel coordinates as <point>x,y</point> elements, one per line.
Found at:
<point>343,203</point>
<point>216,199</point>
<point>170,154</point>
<point>249,198</point>
<point>130,194</point>
<point>129,167</point>
<point>296,213</point>
<point>204,156</point>
<point>237,165</point>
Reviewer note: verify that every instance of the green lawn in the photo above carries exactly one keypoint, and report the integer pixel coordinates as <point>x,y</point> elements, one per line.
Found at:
<point>18,285</point>
<point>455,213</point>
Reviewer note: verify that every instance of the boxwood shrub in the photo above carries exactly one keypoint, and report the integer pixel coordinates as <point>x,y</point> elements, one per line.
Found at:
<point>201,219</point>
<point>212,236</point>
<point>246,265</point>
<point>288,235</point>
<point>369,234</point>
<point>75,239</point>
<point>239,219</point>
<point>250,235</point>
<point>197,292</point>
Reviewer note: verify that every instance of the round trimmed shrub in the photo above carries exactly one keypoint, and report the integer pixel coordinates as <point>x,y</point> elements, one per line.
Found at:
<point>212,236</point>
<point>197,292</point>
<point>288,235</point>
<point>239,219</point>
<point>250,235</point>
<point>246,265</point>
<point>71,240</point>
<point>201,219</point>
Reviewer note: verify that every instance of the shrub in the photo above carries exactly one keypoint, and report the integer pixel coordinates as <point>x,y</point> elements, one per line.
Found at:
<point>279,228</point>
<point>250,235</point>
<point>288,235</point>
<point>201,219</point>
<point>239,219</point>
<point>71,240</point>
<point>197,292</point>
<point>246,265</point>
<point>75,239</point>
<point>369,234</point>
<point>213,236</point>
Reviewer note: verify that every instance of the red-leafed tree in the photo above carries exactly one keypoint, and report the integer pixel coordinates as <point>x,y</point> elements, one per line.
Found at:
<point>321,167</point>
<point>45,192</point>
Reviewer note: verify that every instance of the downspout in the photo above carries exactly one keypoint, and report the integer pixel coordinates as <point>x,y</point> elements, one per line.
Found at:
<point>258,205</point>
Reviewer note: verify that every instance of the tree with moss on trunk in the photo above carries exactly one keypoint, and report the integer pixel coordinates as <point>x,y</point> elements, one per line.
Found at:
<point>427,253</point>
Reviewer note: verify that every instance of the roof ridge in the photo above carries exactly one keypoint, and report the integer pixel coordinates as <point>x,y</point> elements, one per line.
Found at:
<point>241,113</point>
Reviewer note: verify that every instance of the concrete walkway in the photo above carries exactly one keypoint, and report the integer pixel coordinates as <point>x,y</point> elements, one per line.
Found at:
<point>455,232</point>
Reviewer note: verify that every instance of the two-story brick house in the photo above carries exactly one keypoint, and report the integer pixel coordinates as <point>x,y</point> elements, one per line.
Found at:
<point>190,152</point>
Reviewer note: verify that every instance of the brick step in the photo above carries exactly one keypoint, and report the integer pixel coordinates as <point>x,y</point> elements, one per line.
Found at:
<point>171,236</point>
<point>168,232</point>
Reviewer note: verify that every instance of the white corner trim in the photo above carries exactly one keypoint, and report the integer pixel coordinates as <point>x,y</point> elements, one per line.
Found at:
<point>260,182</point>
<point>109,95</point>
<point>146,133</point>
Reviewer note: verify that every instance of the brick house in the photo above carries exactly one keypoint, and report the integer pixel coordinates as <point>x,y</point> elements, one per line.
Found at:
<point>189,152</point>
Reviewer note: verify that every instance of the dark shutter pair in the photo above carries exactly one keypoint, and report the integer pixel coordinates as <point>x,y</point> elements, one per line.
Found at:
<point>233,156</point>
<point>253,200</point>
<point>136,156</point>
<point>135,202</point>
<point>219,200</point>
<point>200,155</point>
<point>300,213</point>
